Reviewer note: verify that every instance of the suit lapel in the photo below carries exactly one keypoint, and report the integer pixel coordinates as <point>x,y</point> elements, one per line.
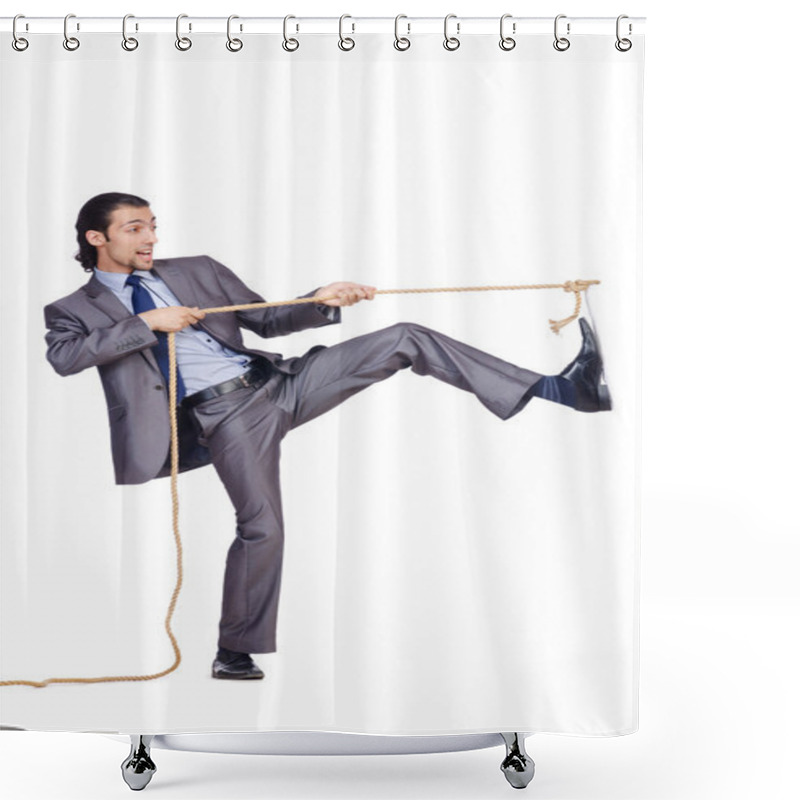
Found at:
<point>178,283</point>
<point>108,302</point>
<point>188,292</point>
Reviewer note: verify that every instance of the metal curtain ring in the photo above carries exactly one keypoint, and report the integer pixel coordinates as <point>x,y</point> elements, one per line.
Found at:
<point>70,42</point>
<point>561,43</point>
<point>623,45</point>
<point>18,42</point>
<point>451,42</point>
<point>234,45</point>
<point>290,45</point>
<point>401,43</point>
<point>345,43</point>
<point>506,42</point>
<point>182,42</point>
<point>128,42</point>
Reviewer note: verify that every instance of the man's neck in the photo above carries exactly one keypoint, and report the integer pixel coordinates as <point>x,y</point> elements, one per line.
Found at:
<point>115,268</point>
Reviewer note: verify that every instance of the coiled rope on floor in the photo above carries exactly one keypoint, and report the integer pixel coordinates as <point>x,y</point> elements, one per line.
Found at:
<point>576,287</point>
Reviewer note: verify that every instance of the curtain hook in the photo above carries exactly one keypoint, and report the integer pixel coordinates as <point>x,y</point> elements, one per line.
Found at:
<point>346,43</point>
<point>18,43</point>
<point>290,45</point>
<point>451,42</point>
<point>183,43</point>
<point>623,45</point>
<point>128,42</point>
<point>234,45</point>
<point>70,42</point>
<point>401,43</point>
<point>561,43</point>
<point>506,42</point>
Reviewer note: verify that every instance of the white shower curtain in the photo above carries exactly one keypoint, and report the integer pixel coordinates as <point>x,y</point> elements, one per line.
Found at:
<point>444,571</point>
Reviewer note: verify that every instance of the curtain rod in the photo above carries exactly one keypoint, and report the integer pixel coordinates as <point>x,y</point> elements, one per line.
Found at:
<point>327,25</point>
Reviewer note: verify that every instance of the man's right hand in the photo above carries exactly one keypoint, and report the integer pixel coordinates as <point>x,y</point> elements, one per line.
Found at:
<point>172,318</point>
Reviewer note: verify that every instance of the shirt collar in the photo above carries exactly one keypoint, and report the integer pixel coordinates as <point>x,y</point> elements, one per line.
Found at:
<point>116,280</point>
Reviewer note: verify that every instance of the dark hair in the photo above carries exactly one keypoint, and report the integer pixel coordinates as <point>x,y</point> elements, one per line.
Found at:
<point>96,216</point>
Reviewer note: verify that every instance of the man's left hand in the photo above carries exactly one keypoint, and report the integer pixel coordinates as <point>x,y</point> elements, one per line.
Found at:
<point>343,293</point>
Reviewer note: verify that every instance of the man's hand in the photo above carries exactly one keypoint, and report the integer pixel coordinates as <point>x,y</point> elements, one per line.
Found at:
<point>172,318</point>
<point>343,293</point>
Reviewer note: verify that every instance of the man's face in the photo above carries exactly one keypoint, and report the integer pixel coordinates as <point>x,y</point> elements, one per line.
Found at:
<point>128,242</point>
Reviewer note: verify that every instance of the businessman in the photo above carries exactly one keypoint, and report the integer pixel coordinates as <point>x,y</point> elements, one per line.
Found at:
<point>237,403</point>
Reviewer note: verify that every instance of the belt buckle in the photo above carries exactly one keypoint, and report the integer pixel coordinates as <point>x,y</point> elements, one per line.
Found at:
<point>245,379</point>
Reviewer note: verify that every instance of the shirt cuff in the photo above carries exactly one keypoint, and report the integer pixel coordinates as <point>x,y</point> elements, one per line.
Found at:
<point>328,311</point>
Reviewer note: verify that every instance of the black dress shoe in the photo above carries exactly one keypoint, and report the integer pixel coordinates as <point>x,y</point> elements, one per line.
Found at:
<point>586,374</point>
<point>231,665</point>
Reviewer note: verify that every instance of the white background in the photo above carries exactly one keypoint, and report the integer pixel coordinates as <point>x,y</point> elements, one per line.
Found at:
<point>719,538</point>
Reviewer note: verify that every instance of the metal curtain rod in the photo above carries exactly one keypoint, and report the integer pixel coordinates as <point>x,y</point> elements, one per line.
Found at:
<point>327,25</point>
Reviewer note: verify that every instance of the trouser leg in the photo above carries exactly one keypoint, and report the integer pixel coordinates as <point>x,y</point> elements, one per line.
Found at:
<point>332,375</point>
<point>243,430</point>
<point>244,437</point>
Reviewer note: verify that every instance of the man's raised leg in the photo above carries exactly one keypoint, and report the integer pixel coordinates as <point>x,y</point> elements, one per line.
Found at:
<point>333,374</point>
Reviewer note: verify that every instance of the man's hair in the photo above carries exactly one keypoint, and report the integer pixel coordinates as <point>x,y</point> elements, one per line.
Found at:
<point>96,216</point>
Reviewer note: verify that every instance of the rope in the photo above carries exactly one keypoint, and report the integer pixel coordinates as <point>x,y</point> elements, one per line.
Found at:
<point>555,325</point>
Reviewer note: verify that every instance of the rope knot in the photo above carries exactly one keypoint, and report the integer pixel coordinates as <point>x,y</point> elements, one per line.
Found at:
<point>576,287</point>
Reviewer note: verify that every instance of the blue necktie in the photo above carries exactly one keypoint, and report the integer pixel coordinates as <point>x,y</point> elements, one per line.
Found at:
<point>142,301</point>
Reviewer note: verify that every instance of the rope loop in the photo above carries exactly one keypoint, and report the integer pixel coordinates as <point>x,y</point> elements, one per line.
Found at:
<point>571,286</point>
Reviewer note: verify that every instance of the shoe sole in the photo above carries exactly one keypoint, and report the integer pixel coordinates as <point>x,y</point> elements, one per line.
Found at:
<point>603,398</point>
<point>228,676</point>
<point>603,395</point>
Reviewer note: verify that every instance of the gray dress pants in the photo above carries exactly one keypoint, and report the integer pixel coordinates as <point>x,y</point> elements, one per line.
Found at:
<point>243,430</point>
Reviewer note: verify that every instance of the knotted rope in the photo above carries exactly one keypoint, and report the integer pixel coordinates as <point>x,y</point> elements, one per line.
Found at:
<point>555,325</point>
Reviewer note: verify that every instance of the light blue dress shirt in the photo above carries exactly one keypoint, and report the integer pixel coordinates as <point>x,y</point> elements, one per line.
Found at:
<point>202,360</point>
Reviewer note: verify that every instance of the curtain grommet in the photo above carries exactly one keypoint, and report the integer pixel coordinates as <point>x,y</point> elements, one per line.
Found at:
<point>401,43</point>
<point>561,43</point>
<point>506,42</point>
<point>129,43</point>
<point>182,43</point>
<point>19,43</point>
<point>451,43</point>
<point>70,43</point>
<point>289,44</point>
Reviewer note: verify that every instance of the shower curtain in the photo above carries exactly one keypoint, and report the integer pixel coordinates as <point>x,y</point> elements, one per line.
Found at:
<point>444,570</point>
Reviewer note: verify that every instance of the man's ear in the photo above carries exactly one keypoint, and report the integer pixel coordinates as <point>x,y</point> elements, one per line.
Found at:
<point>96,238</point>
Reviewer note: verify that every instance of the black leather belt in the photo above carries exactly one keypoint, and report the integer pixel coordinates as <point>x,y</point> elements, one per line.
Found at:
<point>255,377</point>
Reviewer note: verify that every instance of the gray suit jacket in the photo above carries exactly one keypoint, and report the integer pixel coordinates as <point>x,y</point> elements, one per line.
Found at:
<point>92,328</point>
